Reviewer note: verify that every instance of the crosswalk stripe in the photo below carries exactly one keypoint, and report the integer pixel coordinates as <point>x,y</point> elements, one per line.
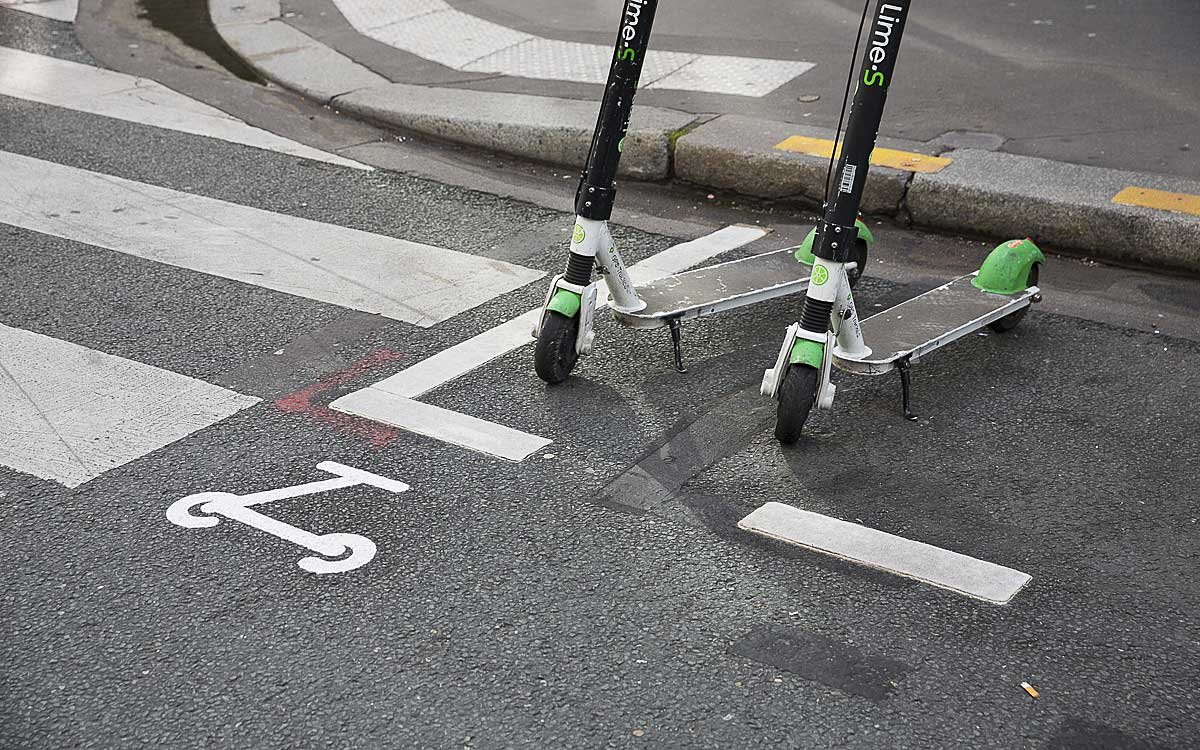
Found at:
<point>422,28</point>
<point>391,401</point>
<point>407,281</point>
<point>59,10</point>
<point>72,85</point>
<point>71,413</point>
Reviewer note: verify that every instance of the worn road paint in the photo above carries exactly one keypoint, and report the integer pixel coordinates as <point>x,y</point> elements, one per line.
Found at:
<point>70,413</point>
<point>83,88</point>
<point>356,549</point>
<point>908,161</point>
<point>822,659</point>
<point>58,10</point>
<point>651,485</point>
<point>421,27</point>
<point>409,281</point>
<point>301,402</point>
<point>887,552</point>
<point>390,401</point>
<point>1184,203</point>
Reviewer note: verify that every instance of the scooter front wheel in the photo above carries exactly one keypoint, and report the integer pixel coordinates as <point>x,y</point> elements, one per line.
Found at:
<point>555,355</point>
<point>797,394</point>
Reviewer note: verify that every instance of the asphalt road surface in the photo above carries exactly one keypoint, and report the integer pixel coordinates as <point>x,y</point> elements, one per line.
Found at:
<point>529,604</point>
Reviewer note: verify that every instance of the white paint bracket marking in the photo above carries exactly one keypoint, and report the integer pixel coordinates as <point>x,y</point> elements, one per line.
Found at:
<point>358,550</point>
<point>442,424</point>
<point>893,554</point>
<point>391,401</point>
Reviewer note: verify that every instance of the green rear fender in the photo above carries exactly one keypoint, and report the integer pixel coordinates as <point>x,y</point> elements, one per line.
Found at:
<point>565,303</point>
<point>1006,269</point>
<point>804,253</point>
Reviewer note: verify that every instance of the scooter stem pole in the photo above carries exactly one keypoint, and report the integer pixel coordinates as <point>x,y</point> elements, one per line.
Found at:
<point>598,187</point>
<point>836,232</point>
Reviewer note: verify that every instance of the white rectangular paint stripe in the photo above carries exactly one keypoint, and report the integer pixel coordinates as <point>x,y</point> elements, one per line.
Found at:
<point>694,252</point>
<point>59,10</point>
<point>72,413</point>
<point>421,27</point>
<point>894,554</point>
<point>83,88</point>
<point>442,424</point>
<point>461,358</point>
<point>408,281</point>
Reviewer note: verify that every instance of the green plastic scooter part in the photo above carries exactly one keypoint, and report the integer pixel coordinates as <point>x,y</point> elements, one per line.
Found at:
<point>565,303</point>
<point>805,352</point>
<point>804,253</point>
<point>1006,269</point>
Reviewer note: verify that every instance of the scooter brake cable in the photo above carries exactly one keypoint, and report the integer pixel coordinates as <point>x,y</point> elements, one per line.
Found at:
<point>837,136</point>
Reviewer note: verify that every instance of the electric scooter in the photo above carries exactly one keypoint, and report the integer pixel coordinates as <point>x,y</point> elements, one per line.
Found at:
<point>829,332</point>
<point>564,330</point>
<point>836,251</point>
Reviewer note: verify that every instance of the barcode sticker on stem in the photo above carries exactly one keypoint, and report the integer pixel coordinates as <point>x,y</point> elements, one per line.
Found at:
<point>848,173</point>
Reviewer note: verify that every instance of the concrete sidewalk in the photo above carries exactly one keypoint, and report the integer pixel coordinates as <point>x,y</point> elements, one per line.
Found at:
<point>959,181</point>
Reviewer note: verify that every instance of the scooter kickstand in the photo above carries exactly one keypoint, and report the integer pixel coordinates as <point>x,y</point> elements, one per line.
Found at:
<point>676,341</point>
<point>903,366</point>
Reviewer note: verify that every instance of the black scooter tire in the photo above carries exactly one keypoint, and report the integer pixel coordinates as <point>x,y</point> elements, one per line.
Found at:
<point>555,355</point>
<point>797,394</point>
<point>1011,321</point>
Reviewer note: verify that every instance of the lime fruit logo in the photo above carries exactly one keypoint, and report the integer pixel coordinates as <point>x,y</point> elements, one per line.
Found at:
<point>579,235</point>
<point>820,275</point>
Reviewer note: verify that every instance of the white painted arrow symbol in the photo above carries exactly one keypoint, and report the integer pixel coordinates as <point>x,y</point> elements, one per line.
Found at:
<point>338,552</point>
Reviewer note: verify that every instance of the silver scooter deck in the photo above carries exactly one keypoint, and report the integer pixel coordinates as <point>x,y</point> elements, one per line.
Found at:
<point>914,328</point>
<point>714,289</point>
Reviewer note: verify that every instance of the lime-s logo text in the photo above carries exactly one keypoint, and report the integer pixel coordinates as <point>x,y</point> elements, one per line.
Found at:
<point>633,16</point>
<point>881,36</point>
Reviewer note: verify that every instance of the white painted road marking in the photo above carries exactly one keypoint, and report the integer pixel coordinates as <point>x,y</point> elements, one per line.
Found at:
<point>436,31</point>
<point>71,85</point>
<point>358,550</point>
<point>59,10</point>
<point>409,281</point>
<point>461,358</point>
<point>887,552</point>
<point>442,424</point>
<point>69,413</point>
<point>391,401</point>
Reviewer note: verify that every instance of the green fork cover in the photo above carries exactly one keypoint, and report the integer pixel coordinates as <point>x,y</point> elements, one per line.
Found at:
<point>565,303</point>
<point>1006,269</point>
<point>804,253</point>
<point>805,352</point>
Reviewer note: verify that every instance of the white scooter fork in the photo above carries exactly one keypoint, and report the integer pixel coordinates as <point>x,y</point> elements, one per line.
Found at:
<point>593,240</point>
<point>830,283</point>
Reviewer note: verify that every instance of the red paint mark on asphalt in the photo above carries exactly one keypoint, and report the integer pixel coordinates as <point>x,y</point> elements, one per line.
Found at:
<point>300,402</point>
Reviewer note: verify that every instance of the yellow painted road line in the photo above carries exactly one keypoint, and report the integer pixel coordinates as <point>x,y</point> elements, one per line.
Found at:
<point>1185,203</point>
<point>880,157</point>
